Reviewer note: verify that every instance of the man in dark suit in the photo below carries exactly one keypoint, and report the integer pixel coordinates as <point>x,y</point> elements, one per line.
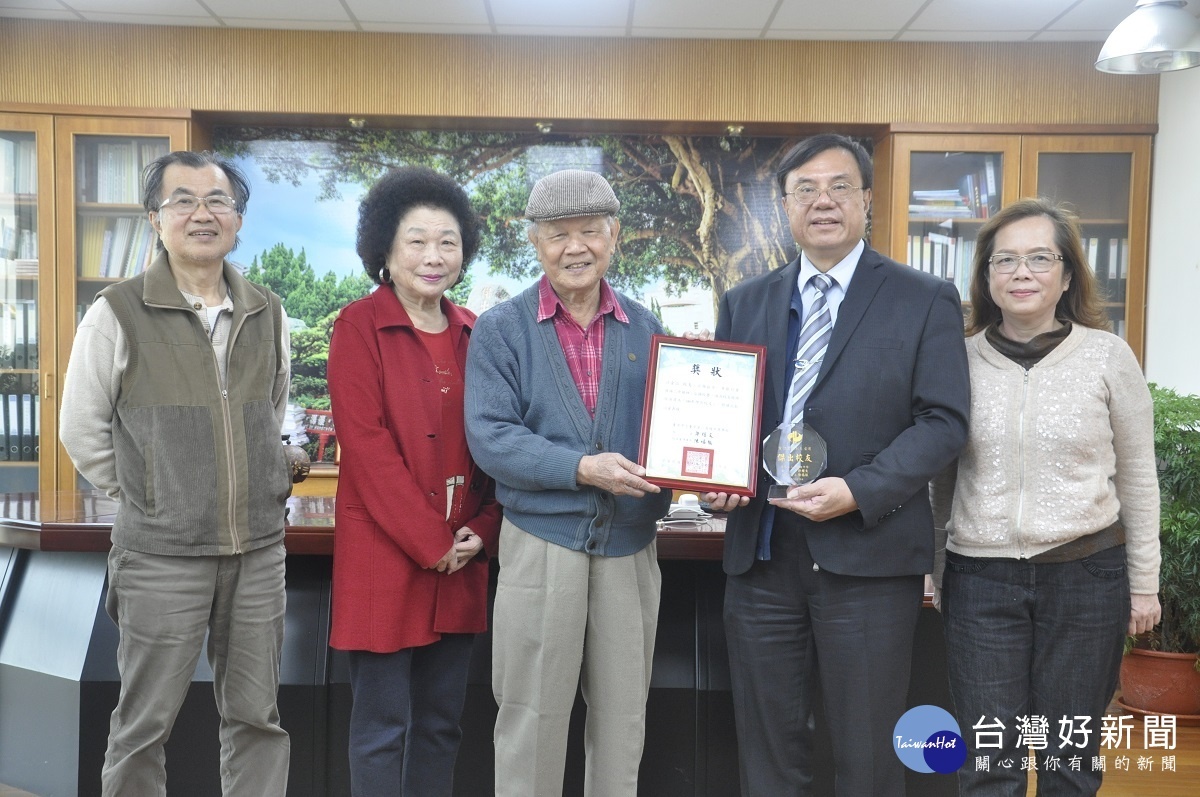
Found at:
<point>869,353</point>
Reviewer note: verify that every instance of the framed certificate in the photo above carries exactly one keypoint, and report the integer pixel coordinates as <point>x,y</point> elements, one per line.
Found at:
<point>700,423</point>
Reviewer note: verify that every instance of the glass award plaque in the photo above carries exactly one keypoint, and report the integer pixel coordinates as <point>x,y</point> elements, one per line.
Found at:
<point>792,455</point>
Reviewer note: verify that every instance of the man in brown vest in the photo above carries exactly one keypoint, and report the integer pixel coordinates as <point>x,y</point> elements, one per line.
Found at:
<point>173,402</point>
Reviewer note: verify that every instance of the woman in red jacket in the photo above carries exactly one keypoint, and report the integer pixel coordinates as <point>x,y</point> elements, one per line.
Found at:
<point>415,516</point>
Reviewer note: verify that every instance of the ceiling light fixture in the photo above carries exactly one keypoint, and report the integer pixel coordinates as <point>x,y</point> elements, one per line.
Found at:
<point>544,127</point>
<point>1159,36</point>
<point>357,122</point>
<point>734,130</point>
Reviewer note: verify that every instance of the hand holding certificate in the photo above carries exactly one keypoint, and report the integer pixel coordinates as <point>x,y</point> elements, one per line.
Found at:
<point>703,406</point>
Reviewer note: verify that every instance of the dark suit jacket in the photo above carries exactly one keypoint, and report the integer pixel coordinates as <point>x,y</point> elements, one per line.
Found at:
<point>891,402</point>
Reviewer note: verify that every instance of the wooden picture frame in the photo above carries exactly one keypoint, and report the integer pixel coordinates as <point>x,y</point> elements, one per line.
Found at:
<point>700,422</point>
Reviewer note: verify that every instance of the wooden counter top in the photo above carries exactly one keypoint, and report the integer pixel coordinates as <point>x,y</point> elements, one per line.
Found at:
<point>82,521</point>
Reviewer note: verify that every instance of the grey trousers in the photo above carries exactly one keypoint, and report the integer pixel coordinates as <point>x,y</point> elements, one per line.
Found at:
<point>563,618</point>
<point>163,606</point>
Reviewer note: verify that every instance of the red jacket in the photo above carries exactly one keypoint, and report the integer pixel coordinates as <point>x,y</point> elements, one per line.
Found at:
<point>391,497</point>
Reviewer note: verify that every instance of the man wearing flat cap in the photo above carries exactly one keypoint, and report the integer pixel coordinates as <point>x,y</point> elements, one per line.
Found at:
<point>556,378</point>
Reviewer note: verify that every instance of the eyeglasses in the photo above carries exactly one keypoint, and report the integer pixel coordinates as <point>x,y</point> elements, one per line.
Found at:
<point>1038,262</point>
<point>808,194</point>
<point>186,204</point>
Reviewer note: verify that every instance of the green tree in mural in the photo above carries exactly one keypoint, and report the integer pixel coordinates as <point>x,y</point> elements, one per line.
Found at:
<point>314,301</point>
<point>305,295</point>
<point>695,209</point>
<point>310,354</point>
<point>310,351</point>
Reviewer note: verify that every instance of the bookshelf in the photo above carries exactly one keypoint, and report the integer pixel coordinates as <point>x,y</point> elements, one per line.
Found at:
<point>1107,180</point>
<point>101,219</point>
<point>940,189</point>
<point>26,265</point>
<point>114,238</point>
<point>71,222</point>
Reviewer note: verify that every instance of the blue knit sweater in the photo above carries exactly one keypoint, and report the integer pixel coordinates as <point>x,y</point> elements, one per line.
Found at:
<point>527,426</point>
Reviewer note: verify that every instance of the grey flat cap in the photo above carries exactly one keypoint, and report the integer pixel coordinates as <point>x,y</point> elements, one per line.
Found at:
<point>571,192</point>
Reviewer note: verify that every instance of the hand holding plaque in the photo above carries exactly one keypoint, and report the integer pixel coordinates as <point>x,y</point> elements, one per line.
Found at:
<point>793,454</point>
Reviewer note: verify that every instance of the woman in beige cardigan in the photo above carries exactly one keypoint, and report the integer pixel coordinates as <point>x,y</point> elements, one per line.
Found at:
<point>1052,533</point>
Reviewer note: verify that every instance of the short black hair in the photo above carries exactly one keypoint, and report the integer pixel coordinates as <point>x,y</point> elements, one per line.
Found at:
<point>152,181</point>
<point>394,195</point>
<point>152,177</point>
<point>811,147</point>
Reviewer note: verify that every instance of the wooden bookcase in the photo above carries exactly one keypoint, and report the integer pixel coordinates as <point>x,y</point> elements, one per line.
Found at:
<point>27,280</point>
<point>934,191</point>
<point>69,193</point>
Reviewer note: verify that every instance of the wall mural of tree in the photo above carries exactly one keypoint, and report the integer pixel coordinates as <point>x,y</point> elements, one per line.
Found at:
<point>696,211</point>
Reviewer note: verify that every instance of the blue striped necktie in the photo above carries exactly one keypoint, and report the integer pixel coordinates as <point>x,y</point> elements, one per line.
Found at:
<point>810,351</point>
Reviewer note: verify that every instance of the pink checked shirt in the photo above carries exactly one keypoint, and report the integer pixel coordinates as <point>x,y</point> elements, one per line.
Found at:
<point>583,348</point>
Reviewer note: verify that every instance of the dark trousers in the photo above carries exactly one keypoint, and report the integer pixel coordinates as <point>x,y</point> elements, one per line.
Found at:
<point>786,619</point>
<point>404,723</point>
<point>1033,640</point>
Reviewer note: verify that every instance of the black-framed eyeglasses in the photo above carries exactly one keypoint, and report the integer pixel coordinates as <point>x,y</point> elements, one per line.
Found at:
<point>1038,262</point>
<point>186,204</point>
<point>808,194</point>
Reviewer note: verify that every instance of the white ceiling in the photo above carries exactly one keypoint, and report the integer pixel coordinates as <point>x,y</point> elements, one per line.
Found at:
<point>897,20</point>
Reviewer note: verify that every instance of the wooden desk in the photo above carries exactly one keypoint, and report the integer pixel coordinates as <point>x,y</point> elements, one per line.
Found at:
<point>54,631</point>
<point>82,521</point>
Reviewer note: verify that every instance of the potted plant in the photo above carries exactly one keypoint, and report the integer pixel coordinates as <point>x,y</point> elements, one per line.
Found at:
<point>1161,670</point>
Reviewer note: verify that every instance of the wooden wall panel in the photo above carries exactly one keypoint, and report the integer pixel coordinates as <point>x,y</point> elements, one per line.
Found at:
<point>495,77</point>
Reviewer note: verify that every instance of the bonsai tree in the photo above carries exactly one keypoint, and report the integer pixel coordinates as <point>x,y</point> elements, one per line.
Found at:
<point>1177,448</point>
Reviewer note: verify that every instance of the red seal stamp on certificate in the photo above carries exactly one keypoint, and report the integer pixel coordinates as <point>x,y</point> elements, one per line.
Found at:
<point>698,462</point>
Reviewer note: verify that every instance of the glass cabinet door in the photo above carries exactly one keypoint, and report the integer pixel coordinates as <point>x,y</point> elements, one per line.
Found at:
<point>26,328</point>
<point>106,231</point>
<point>946,187</point>
<point>1101,179</point>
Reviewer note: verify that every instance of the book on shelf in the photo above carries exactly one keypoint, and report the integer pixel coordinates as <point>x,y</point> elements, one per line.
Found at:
<point>18,235</point>
<point>106,248</point>
<point>26,408</point>
<point>5,429</point>
<point>1108,258</point>
<point>938,204</point>
<point>29,318</point>
<point>8,335</point>
<point>109,171</point>
<point>18,165</point>
<point>8,235</point>
<point>27,244</point>
<point>114,167</point>
<point>114,247</point>
<point>23,318</point>
<point>12,426</point>
<point>91,245</point>
<point>992,196</point>
<point>116,256</point>
<point>979,191</point>
<point>141,248</point>
<point>943,255</point>
<point>20,408</point>
<point>19,330</point>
